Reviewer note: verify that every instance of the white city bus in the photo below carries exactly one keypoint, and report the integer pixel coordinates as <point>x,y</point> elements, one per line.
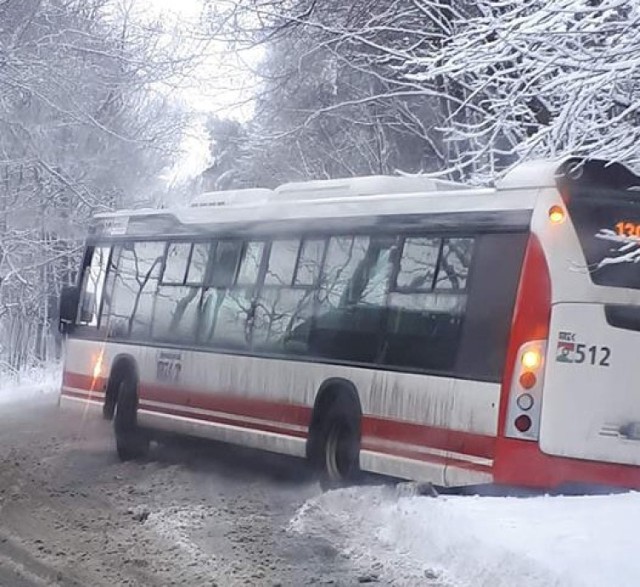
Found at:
<point>400,325</point>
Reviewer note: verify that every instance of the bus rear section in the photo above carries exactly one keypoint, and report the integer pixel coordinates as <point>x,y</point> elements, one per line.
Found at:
<point>571,397</point>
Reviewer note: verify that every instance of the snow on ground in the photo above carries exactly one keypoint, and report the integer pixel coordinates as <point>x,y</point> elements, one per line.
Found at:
<point>482,541</point>
<point>30,384</point>
<point>176,524</point>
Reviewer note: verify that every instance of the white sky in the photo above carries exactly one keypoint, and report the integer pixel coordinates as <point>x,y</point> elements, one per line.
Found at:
<point>223,81</point>
<point>222,84</point>
<point>184,8</point>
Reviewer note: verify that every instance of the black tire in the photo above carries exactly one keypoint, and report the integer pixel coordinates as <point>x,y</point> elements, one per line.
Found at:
<point>109,407</point>
<point>131,441</point>
<point>339,455</point>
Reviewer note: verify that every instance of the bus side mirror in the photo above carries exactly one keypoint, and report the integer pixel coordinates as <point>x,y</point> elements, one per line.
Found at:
<point>68,308</point>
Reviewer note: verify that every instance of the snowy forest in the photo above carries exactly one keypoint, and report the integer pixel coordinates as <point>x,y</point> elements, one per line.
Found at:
<point>83,128</point>
<point>463,89</point>
<point>91,117</point>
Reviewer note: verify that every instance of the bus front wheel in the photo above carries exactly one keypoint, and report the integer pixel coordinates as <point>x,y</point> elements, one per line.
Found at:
<point>131,441</point>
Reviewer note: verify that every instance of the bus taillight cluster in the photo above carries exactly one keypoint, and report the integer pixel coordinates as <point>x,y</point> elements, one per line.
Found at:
<point>526,392</point>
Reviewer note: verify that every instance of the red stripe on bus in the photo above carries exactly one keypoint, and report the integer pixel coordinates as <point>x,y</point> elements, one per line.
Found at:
<point>265,427</point>
<point>81,381</point>
<point>406,453</point>
<point>280,412</point>
<point>230,404</point>
<point>459,441</point>
<point>399,431</point>
<point>420,456</point>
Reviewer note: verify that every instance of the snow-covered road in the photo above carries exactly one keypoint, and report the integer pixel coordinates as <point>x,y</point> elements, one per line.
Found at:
<point>196,514</point>
<point>205,514</point>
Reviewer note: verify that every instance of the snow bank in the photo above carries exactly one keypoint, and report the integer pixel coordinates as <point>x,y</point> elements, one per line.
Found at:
<point>30,384</point>
<point>482,541</point>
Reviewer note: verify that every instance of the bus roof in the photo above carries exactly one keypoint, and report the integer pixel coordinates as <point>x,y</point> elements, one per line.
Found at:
<point>349,198</point>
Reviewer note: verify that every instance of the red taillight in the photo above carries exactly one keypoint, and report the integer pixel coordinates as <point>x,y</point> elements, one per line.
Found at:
<point>524,367</point>
<point>522,423</point>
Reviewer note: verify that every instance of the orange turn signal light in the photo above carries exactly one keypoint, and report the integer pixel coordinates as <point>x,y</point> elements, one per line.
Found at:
<point>527,380</point>
<point>556,214</point>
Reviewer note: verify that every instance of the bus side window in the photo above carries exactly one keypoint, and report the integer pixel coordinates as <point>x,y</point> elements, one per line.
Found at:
<point>427,305</point>
<point>134,289</point>
<point>455,262</point>
<point>175,265</point>
<point>282,262</point>
<point>93,287</point>
<point>198,263</point>
<point>492,290</point>
<point>226,258</point>
<point>176,309</point>
<point>250,264</point>
<point>228,302</point>
<point>343,257</point>
<point>309,262</point>
<point>351,299</point>
<point>418,263</point>
<point>283,309</point>
<point>175,315</point>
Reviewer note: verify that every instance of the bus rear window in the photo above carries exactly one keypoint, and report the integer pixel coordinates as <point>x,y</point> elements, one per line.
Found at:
<point>608,227</point>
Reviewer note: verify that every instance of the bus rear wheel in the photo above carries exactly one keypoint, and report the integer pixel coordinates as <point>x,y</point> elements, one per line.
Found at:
<point>131,441</point>
<point>340,442</point>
